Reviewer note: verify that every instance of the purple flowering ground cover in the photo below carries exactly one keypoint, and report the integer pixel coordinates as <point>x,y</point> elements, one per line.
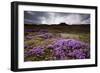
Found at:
<point>43,43</point>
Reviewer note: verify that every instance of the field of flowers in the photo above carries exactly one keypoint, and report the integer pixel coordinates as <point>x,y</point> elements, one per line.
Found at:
<point>56,43</point>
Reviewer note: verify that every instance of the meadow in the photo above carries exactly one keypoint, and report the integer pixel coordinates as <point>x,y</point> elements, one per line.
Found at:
<point>56,42</point>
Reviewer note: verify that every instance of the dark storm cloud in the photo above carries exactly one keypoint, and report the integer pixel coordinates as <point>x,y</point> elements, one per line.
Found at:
<point>36,17</point>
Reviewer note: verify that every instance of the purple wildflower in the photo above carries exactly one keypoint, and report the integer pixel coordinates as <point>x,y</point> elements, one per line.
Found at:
<point>59,53</point>
<point>78,54</point>
<point>38,51</point>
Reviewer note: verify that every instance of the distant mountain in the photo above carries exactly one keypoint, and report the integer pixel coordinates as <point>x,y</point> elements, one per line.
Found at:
<point>61,24</point>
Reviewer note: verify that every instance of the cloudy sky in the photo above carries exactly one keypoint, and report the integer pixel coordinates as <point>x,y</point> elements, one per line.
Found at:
<point>36,17</point>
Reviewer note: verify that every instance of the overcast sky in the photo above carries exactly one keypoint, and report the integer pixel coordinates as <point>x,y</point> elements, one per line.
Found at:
<point>36,17</point>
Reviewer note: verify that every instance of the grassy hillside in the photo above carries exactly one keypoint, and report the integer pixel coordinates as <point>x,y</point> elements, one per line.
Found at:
<point>38,38</point>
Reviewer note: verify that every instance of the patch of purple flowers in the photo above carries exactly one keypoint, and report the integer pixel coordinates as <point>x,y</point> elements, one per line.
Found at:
<point>62,49</point>
<point>70,47</point>
<point>71,43</point>
<point>59,53</point>
<point>38,51</point>
<point>78,54</point>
